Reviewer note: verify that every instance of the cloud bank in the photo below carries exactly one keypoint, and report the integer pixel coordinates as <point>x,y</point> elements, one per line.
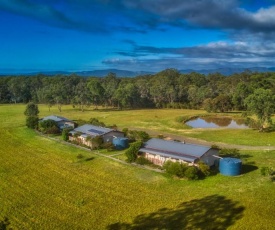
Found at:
<point>248,28</point>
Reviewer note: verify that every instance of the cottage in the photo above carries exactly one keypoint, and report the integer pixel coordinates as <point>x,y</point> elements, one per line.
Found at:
<point>85,132</point>
<point>62,122</point>
<point>158,151</point>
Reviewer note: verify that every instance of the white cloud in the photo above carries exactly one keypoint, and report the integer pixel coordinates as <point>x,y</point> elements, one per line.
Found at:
<point>265,15</point>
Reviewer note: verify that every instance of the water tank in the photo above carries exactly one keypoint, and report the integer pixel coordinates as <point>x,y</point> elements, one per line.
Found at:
<point>230,166</point>
<point>121,142</point>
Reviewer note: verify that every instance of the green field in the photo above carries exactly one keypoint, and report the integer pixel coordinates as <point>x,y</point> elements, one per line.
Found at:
<point>44,186</point>
<point>165,121</point>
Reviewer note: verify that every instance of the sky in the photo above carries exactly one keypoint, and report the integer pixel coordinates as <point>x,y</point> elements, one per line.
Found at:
<point>136,35</point>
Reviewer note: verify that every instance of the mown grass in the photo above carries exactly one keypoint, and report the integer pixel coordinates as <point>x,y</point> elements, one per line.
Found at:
<point>44,186</point>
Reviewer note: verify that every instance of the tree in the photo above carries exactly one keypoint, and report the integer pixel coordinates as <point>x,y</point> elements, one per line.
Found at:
<point>32,115</point>
<point>96,122</point>
<point>132,152</point>
<point>49,127</point>
<point>31,110</point>
<point>58,94</point>
<point>65,133</point>
<point>110,84</point>
<point>14,86</point>
<point>126,95</point>
<point>82,95</point>
<point>262,104</point>
<point>32,122</point>
<point>45,96</point>
<point>240,93</point>
<point>96,90</point>
<point>221,103</point>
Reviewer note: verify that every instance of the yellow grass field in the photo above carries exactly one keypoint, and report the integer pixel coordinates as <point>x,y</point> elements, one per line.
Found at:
<point>44,186</point>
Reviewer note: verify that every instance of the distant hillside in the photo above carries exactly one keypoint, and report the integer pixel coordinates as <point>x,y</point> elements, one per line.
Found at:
<point>95,73</point>
<point>229,71</point>
<point>127,73</point>
<point>119,73</point>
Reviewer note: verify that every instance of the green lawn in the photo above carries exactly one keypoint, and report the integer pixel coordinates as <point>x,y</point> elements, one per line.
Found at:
<point>44,186</point>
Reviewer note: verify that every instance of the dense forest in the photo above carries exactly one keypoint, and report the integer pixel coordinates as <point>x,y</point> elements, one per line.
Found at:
<point>166,89</point>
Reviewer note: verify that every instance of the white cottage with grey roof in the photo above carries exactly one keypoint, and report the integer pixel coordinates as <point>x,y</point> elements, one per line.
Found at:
<point>87,131</point>
<point>159,151</point>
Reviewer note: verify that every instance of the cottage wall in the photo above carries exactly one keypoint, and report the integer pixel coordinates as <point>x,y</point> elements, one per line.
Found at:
<point>81,140</point>
<point>155,159</point>
<point>160,160</point>
<point>208,158</point>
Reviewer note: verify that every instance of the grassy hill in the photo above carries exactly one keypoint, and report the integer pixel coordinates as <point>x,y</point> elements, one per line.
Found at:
<point>43,185</point>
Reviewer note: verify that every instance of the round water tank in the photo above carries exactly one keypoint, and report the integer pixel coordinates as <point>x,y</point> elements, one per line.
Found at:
<point>230,166</point>
<point>121,142</point>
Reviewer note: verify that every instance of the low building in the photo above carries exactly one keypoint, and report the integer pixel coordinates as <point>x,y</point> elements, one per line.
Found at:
<point>83,134</point>
<point>159,151</point>
<point>62,122</point>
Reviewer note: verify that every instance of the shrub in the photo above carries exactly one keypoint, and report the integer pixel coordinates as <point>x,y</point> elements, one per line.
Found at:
<point>48,127</point>
<point>204,169</point>
<point>97,142</point>
<point>125,131</point>
<point>136,135</point>
<point>215,147</point>
<point>65,134</point>
<point>175,168</point>
<point>32,122</point>
<point>132,151</point>
<point>191,173</point>
<point>52,130</point>
<point>31,110</point>
<point>109,146</point>
<point>229,153</point>
<point>95,121</point>
<point>266,171</point>
<point>160,136</point>
<point>143,161</point>
<point>80,122</point>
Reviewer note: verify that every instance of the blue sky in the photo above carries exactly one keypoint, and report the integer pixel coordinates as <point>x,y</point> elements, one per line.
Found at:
<point>149,35</point>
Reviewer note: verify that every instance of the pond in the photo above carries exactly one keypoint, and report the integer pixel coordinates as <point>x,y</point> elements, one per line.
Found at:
<point>217,122</point>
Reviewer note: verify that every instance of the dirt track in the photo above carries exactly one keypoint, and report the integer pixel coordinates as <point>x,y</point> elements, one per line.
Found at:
<point>207,143</point>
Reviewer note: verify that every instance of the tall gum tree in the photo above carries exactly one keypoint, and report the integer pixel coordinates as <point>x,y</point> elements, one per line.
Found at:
<point>262,104</point>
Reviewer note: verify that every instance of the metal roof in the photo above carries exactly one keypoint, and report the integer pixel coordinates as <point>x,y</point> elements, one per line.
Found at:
<point>92,130</point>
<point>173,149</point>
<point>55,118</point>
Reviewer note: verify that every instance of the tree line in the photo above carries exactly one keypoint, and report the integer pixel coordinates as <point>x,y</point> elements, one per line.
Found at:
<point>166,89</point>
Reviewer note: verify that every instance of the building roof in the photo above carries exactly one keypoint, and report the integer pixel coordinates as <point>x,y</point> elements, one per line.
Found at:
<point>92,130</point>
<point>175,150</point>
<point>55,118</point>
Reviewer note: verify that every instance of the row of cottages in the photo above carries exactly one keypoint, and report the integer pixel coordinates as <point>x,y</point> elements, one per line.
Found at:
<point>61,122</point>
<point>83,133</point>
<point>159,151</point>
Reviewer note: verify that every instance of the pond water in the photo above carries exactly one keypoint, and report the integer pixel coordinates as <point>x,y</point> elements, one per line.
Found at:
<point>217,122</point>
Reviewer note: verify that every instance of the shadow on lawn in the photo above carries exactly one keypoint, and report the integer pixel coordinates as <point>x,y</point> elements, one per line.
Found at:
<point>248,167</point>
<point>212,212</point>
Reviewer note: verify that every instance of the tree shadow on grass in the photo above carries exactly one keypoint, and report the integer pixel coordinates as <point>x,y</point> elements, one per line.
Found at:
<point>248,167</point>
<point>212,212</point>
<point>89,159</point>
